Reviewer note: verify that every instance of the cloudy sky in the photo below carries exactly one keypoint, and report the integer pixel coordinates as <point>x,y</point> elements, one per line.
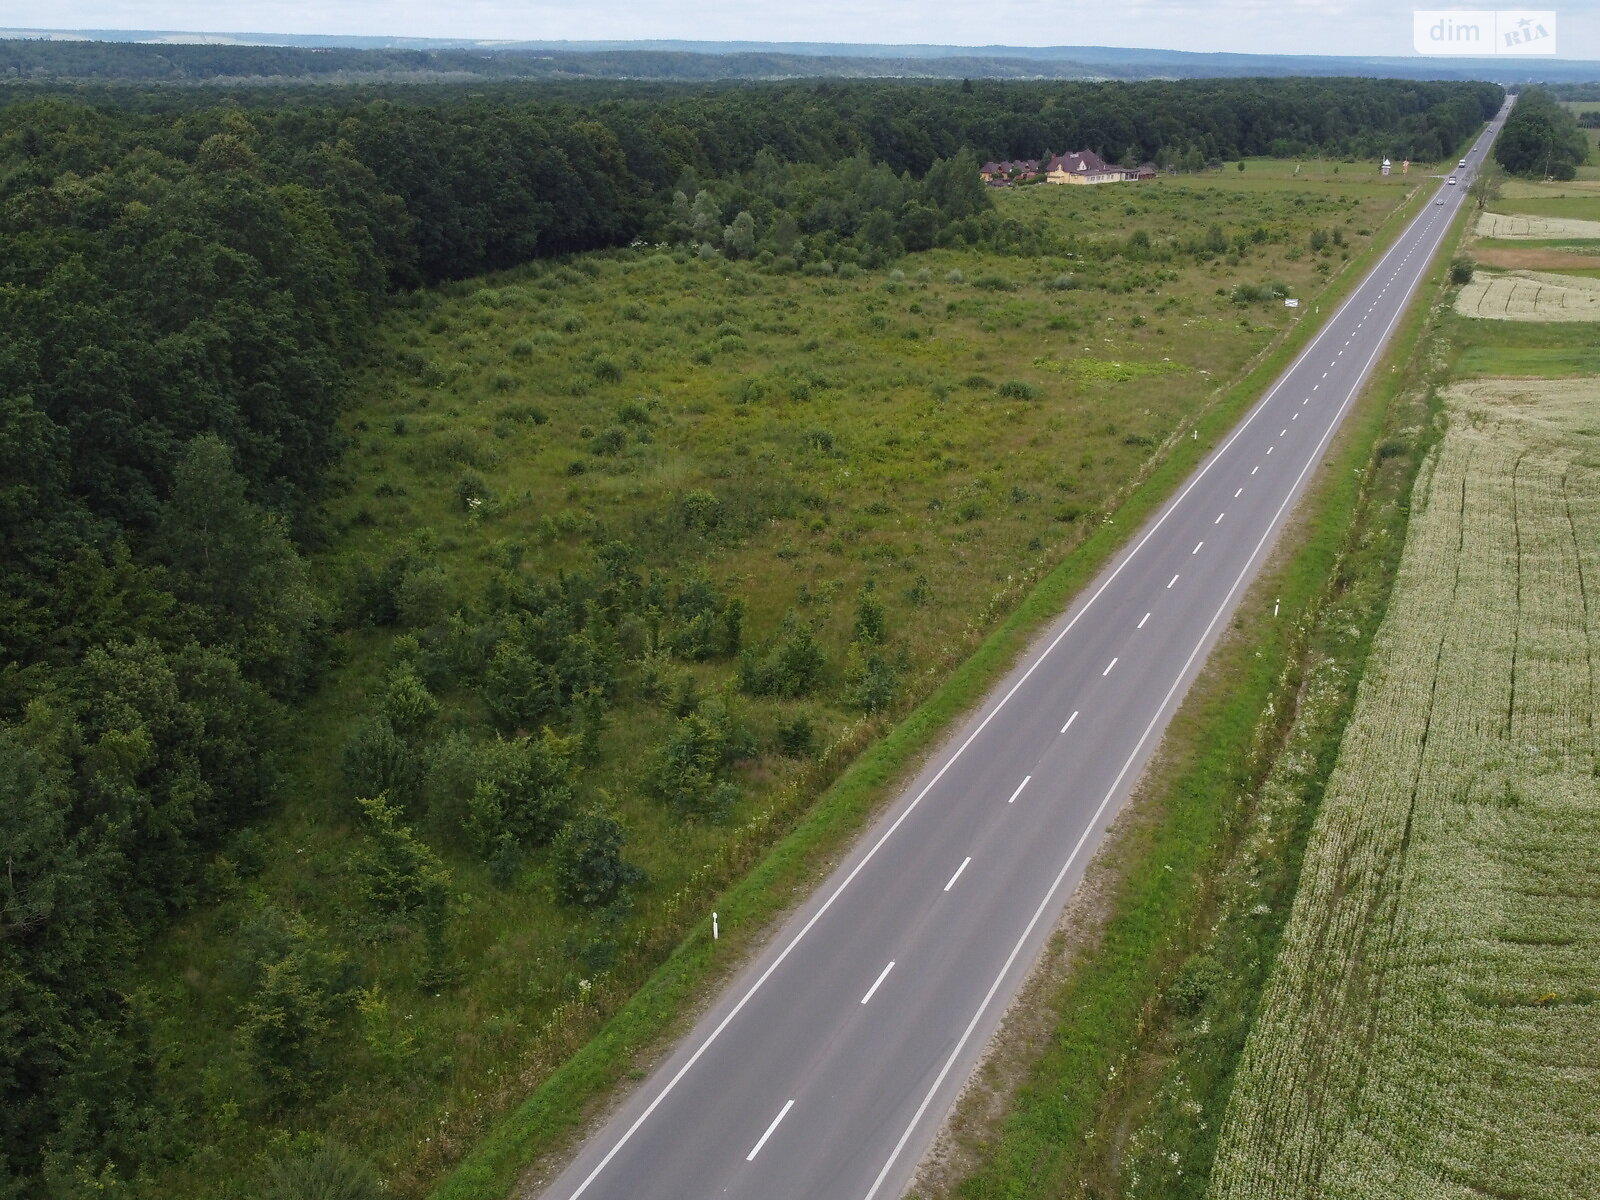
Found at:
<point>1263,26</point>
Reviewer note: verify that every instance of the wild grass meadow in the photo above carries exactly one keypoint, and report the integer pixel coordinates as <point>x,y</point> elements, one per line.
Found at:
<point>755,514</point>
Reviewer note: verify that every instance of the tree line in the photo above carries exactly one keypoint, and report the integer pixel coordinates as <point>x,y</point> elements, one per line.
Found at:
<point>186,282</point>
<point>1541,140</point>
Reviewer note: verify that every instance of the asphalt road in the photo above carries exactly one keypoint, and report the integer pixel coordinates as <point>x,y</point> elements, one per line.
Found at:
<point>827,1067</point>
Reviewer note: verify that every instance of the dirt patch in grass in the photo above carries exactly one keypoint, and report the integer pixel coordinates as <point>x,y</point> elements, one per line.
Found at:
<point>1535,259</point>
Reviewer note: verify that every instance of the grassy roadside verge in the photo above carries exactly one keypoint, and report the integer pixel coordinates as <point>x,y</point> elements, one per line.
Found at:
<point>557,1108</point>
<point>1145,1032</point>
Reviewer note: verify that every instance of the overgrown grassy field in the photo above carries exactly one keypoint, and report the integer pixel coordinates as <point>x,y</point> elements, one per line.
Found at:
<point>1429,1028</point>
<point>908,448</point>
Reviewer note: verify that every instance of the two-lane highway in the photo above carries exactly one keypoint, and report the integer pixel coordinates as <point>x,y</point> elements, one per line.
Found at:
<point>825,1070</point>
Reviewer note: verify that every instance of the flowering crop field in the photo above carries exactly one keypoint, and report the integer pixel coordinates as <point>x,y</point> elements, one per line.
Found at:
<point>1530,296</point>
<point>1520,228</point>
<point>1432,1026</point>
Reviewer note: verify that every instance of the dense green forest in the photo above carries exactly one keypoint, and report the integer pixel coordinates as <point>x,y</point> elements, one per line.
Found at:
<point>187,282</point>
<point>1541,139</point>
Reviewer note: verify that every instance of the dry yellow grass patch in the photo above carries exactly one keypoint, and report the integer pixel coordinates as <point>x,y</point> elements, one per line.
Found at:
<point>1500,225</point>
<point>1530,296</point>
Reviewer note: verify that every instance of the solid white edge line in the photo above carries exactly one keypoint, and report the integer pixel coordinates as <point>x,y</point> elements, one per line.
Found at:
<point>884,974</point>
<point>988,998</point>
<point>957,875</point>
<point>1171,507</point>
<point>1025,778</point>
<point>756,1149</point>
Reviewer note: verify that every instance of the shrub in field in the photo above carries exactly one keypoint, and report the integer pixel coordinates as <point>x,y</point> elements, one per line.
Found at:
<point>700,510</point>
<point>686,772</point>
<point>399,875</point>
<point>424,596</point>
<point>1461,269</point>
<point>297,988</point>
<point>1017,389</point>
<point>872,620</point>
<point>1195,981</point>
<point>789,667</point>
<point>329,1172</point>
<point>407,704</point>
<point>586,861</point>
<point>796,736</point>
<point>518,690</point>
<point>375,759</point>
<point>523,792</point>
<point>872,677</point>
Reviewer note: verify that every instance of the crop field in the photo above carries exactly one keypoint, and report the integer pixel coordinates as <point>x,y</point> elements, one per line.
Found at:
<point>1501,225</point>
<point>1528,257</point>
<point>1518,348</point>
<point>1526,189</point>
<point>1530,296</point>
<point>1430,1028</point>
<point>854,474</point>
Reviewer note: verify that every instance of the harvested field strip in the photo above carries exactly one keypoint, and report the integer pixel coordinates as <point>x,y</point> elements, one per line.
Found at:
<point>1530,296</point>
<point>1524,228</point>
<point>1537,258</point>
<point>1432,1025</point>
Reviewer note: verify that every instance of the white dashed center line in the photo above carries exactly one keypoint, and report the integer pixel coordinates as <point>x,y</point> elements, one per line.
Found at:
<point>1142,620</point>
<point>1239,493</point>
<point>756,1149</point>
<point>1025,778</point>
<point>1218,521</point>
<point>1196,549</point>
<point>881,977</point>
<point>947,887</point>
<point>1171,581</point>
<point>1107,671</point>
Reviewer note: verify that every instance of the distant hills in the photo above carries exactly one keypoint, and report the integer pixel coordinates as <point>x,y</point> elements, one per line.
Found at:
<point>180,57</point>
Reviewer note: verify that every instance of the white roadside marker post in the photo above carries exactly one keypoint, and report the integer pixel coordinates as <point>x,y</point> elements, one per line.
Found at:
<point>713,927</point>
